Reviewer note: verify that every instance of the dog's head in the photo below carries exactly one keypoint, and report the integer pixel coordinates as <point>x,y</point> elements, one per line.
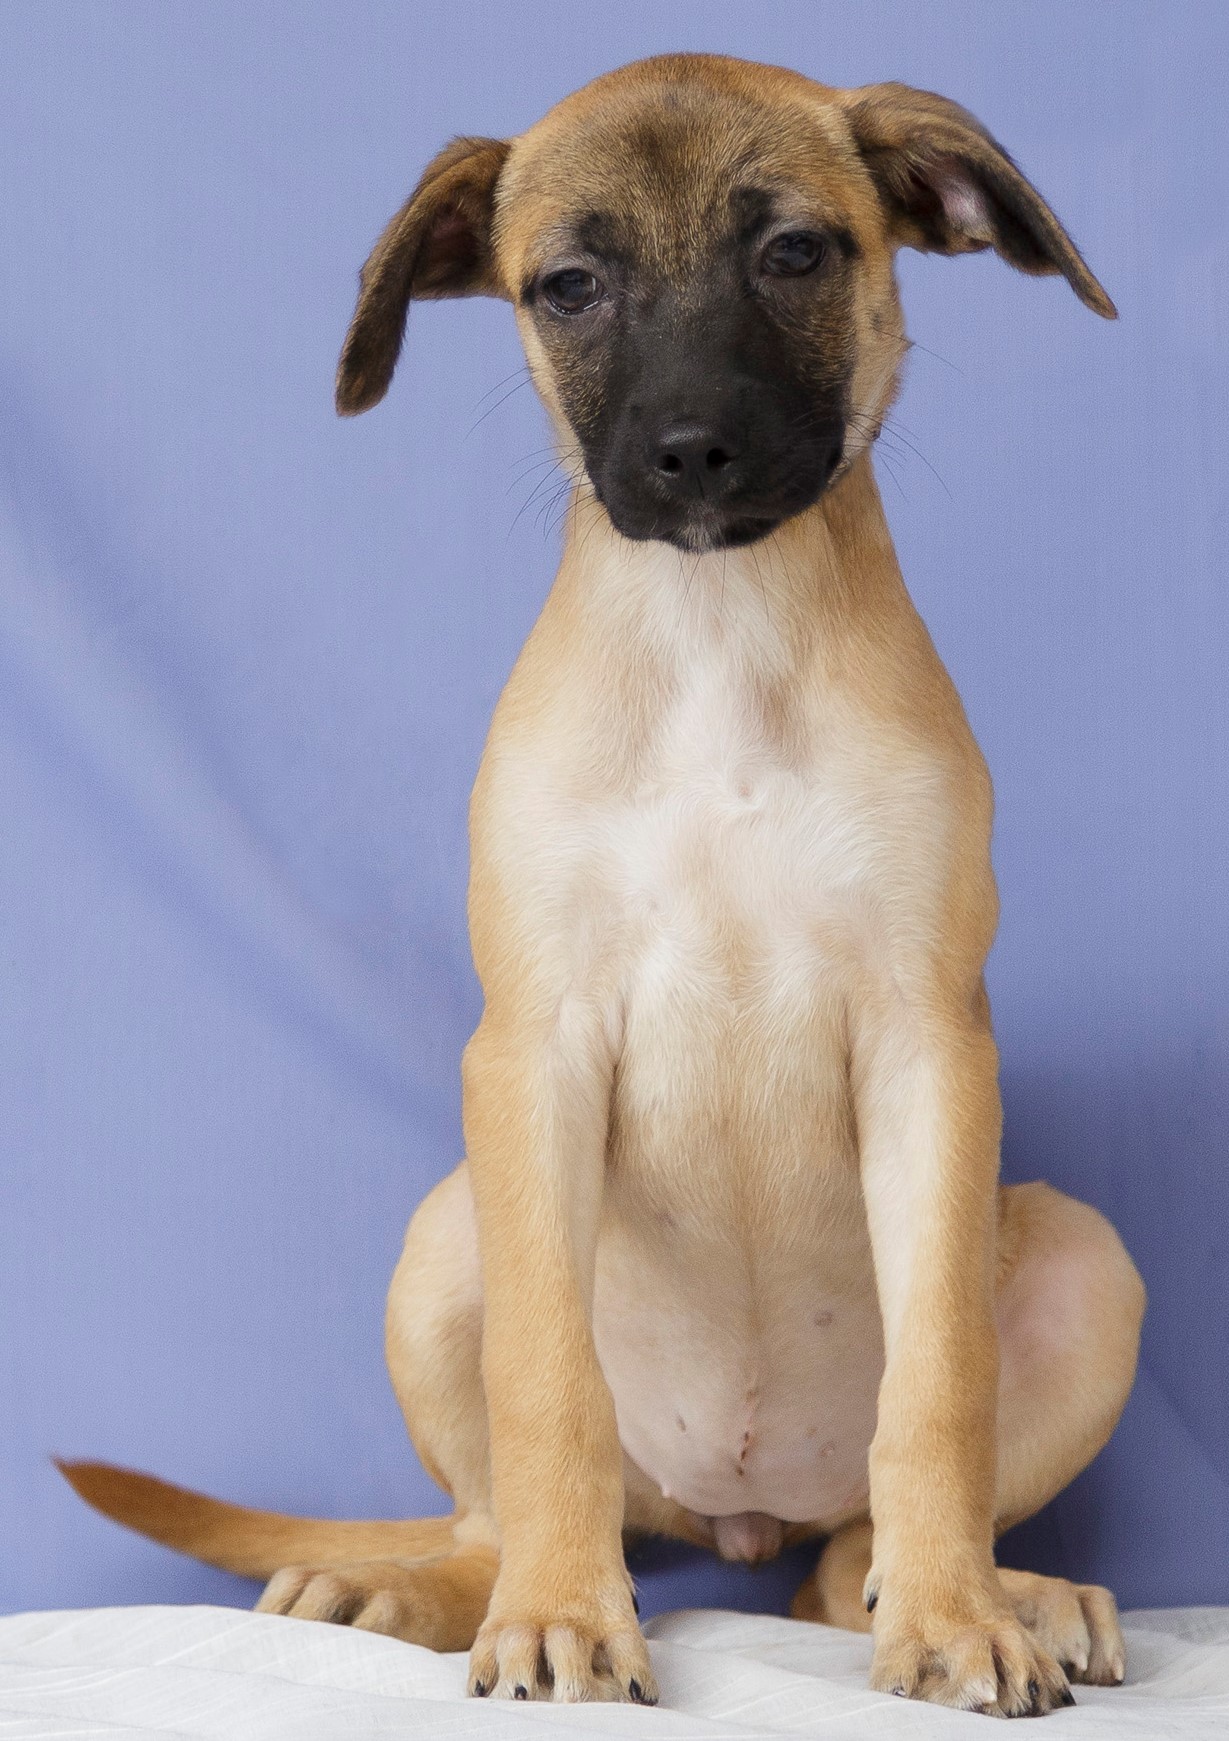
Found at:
<point>700,254</point>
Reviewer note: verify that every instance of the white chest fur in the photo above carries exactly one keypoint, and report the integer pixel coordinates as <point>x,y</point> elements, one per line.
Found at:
<point>739,812</point>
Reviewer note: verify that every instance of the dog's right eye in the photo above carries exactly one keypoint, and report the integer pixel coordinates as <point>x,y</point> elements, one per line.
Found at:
<point>572,290</point>
<point>794,254</point>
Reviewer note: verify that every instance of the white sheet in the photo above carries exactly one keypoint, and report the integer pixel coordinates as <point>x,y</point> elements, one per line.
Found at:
<point>118,1673</point>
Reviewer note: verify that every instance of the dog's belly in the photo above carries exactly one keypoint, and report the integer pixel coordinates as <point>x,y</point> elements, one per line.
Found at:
<point>733,1399</point>
<point>735,1309</point>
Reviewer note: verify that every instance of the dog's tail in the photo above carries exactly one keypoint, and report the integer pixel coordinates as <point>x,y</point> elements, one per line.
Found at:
<point>253,1543</point>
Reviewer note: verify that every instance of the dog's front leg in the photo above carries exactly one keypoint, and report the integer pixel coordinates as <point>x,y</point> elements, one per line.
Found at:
<point>562,1620</point>
<point>926,1094</point>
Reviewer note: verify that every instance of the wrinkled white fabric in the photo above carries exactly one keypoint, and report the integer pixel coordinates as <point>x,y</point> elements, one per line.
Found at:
<point>218,1672</point>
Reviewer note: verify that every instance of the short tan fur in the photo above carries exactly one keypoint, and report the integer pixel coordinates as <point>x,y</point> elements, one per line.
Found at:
<point>728,1258</point>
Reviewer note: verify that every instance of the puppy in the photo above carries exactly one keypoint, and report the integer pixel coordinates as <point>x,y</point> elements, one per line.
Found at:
<point>728,1259</point>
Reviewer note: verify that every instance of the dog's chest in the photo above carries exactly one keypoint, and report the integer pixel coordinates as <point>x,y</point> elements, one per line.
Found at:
<point>739,870</point>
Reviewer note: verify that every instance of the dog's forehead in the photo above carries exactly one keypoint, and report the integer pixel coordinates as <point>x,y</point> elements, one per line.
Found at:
<point>663,163</point>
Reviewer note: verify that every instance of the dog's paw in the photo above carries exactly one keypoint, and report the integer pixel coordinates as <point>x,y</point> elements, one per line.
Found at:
<point>371,1596</point>
<point>1076,1623</point>
<point>570,1658</point>
<point>985,1660</point>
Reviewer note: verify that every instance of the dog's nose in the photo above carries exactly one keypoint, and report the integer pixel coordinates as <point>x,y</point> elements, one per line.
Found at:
<point>693,459</point>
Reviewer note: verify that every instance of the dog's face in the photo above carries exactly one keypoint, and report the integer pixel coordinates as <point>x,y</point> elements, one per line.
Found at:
<point>700,253</point>
<point>694,303</point>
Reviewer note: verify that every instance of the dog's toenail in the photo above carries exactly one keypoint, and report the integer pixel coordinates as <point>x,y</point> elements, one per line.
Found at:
<point>1034,1689</point>
<point>480,1689</point>
<point>634,1690</point>
<point>635,1602</point>
<point>871,1601</point>
<point>520,1692</point>
<point>1068,1697</point>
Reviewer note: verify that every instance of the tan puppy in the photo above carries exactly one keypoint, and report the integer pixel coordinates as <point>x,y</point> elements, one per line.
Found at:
<point>728,1259</point>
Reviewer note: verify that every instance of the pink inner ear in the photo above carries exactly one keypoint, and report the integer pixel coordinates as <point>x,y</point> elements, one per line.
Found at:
<point>965,206</point>
<point>451,242</point>
<point>448,227</point>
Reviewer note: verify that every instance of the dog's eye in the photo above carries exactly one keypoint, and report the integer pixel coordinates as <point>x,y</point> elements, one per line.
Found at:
<point>791,255</point>
<point>572,290</point>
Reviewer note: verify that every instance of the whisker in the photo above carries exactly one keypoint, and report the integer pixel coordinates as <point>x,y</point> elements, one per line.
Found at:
<point>494,407</point>
<point>551,448</point>
<point>548,504</point>
<point>755,557</point>
<point>523,370</point>
<point>571,506</point>
<point>543,483</point>
<point>922,457</point>
<point>594,522</point>
<point>915,346</point>
<point>528,472</point>
<point>891,473</point>
<point>546,483</point>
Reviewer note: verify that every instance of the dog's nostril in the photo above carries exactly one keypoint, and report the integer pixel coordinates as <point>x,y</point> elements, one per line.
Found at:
<point>693,456</point>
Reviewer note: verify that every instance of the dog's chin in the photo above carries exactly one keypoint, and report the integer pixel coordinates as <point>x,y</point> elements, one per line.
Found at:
<point>703,527</point>
<point>703,530</point>
<point>723,532</point>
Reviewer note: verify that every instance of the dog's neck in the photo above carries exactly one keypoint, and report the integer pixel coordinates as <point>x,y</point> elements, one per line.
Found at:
<point>826,575</point>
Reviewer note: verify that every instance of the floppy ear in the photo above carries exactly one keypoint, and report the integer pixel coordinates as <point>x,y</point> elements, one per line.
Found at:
<point>947,186</point>
<point>439,244</point>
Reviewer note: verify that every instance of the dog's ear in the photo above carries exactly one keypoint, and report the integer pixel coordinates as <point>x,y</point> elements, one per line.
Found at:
<point>948,187</point>
<point>439,244</point>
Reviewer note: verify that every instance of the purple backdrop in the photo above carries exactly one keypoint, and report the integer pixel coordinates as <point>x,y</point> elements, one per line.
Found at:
<point>248,653</point>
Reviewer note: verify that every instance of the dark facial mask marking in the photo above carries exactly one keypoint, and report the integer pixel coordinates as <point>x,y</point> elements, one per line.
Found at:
<point>709,402</point>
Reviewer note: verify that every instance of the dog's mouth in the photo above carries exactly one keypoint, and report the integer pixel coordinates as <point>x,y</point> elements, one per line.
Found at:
<point>703,527</point>
<point>698,532</point>
<point>709,520</point>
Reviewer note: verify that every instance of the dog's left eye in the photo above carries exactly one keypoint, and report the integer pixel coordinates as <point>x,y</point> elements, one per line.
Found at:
<point>791,255</point>
<point>572,290</point>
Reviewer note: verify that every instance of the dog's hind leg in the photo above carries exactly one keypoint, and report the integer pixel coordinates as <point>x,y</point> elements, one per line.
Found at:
<point>1069,1309</point>
<point>1076,1623</point>
<point>433,1343</point>
<point>427,1580</point>
<point>834,1592</point>
<point>439,1603</point>
<point>433,1338</point>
